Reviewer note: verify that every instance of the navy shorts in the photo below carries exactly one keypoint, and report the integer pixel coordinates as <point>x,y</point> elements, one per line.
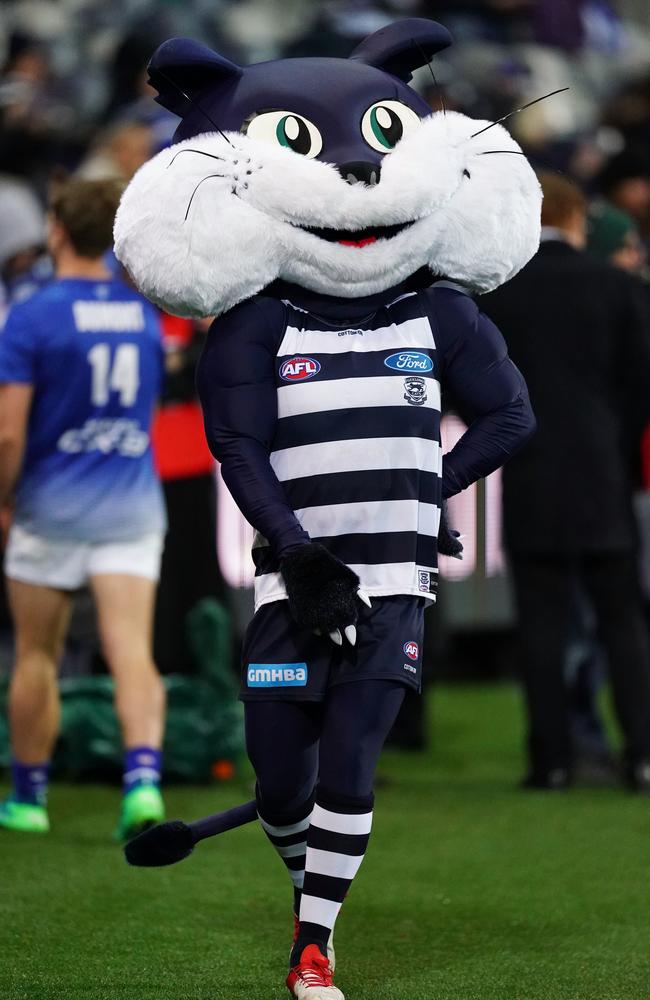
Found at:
<point>281,662</point>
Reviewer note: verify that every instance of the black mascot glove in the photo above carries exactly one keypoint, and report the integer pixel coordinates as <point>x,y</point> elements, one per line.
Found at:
<point>322,591</point>
<point>449,543</point>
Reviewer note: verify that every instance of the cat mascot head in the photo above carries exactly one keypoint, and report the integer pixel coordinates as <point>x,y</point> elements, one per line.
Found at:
<point>332,174</point>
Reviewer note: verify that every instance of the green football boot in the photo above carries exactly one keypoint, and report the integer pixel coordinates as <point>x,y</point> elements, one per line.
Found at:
<point>26,817</point>
<point>142,807</point>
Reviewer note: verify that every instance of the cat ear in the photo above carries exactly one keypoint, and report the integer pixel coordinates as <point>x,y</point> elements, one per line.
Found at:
<point>403,46</point>
<point>182,68</point>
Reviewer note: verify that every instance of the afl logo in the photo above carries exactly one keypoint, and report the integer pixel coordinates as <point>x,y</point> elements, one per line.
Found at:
<point>409,361</point>
<point>412,650</point>
<point>298,369</point>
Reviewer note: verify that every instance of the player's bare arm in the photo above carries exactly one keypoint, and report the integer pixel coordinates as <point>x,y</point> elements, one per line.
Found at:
<point>15,403</point>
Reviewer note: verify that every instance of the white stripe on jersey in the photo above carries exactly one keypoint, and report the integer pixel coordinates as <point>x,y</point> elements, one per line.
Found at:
<point>412,335</point>
<point>377,580</point>
<point>365,454</point>
<point>374,516</point>
<point>351,393</point>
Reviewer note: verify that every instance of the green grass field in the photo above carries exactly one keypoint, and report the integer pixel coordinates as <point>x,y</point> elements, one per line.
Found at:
<point>471,890</point>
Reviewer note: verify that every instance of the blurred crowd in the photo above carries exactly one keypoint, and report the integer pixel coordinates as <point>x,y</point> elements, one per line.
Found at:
<point>74,99</point>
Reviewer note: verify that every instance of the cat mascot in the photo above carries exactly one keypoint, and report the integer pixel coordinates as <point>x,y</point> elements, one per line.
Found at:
<point>336,229</point>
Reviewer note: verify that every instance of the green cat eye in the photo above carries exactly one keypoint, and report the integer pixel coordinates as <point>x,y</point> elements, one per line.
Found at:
<point>386,122</point>
<point>287,129</point>
<point>383,129</point>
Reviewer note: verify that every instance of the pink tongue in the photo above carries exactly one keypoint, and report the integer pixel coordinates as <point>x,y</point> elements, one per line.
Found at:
<point>359,243</point>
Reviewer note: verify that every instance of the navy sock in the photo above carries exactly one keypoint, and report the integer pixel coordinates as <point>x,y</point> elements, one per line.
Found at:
<point>142,766</point>
<point>30,782</point>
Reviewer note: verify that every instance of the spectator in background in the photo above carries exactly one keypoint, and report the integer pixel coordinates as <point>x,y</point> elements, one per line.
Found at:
<point>37,121</point>
<point>613,236</point>
<point>578,329</point>
<point>118,152</point>
<point>80,370</point>
<point>189,570</point>
<point>625,182</point>
<point>23,264</point>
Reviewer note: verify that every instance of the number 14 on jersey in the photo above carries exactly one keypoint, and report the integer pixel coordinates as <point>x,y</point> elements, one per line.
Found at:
<point>119,373</point>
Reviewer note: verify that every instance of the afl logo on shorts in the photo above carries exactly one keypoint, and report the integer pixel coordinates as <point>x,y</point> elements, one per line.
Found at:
<point>412,650</point>
<point>298,369</point>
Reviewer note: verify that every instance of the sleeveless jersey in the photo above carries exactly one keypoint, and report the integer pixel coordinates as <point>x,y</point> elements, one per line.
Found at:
<point>357,446</point>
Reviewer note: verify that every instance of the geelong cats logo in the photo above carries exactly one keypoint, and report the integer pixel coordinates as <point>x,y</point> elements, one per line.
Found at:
<point>298,369</point>
<point>415,390</point>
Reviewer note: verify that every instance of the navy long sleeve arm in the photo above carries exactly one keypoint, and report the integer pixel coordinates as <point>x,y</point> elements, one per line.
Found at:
<point>236,385</point>
<point>476,368</point>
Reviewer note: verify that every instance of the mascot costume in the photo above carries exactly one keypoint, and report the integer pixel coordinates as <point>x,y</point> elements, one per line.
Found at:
<point>335,228</point>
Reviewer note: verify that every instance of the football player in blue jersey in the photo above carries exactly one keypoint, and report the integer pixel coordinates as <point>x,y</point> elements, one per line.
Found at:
<point>80,371</point>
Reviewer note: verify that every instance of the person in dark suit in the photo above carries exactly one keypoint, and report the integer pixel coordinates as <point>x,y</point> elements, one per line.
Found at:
<point>580,332</point>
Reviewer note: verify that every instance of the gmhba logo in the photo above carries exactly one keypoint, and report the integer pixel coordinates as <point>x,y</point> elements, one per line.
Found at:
<point>266,675</point>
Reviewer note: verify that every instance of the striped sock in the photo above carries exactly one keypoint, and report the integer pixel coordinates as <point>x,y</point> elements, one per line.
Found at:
<point>288,834</point>
<point>336,844</point>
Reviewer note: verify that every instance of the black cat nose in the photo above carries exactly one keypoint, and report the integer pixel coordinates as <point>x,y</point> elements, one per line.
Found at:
<point>360,172</point>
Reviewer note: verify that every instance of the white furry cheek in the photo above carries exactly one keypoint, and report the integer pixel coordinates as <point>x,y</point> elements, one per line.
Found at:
<point>288,187</point>
<point>425,170</point>
<point>491,229</point>
<point>202,265</point>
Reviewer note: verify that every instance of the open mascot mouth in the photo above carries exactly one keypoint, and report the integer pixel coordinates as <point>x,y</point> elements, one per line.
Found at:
<point>357,237</point>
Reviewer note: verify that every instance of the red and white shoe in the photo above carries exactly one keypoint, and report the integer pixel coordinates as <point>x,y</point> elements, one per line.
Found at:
<point>331,954</point>
<point>311,978</point>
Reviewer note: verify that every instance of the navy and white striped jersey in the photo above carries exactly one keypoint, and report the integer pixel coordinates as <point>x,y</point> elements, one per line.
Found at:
<point>325,415</point>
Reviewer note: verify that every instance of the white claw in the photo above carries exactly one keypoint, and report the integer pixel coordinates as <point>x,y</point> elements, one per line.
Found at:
<point>336,637</point>
<point>351,635</point>
<point>364,597</point>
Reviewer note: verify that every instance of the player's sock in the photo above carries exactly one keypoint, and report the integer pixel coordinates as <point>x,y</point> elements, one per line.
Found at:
<point>336,844</point>
<point>287,831</point>
<point>142,766</point>
<point>30,782</point>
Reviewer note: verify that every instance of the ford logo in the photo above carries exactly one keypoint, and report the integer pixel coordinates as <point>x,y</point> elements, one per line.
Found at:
<point>409,361</point>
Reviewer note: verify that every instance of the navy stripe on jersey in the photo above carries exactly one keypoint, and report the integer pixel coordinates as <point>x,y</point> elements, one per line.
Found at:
<point>351,487</point>
<point>360,363</point>
<point>367,549</point>
<point>353,424</point>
